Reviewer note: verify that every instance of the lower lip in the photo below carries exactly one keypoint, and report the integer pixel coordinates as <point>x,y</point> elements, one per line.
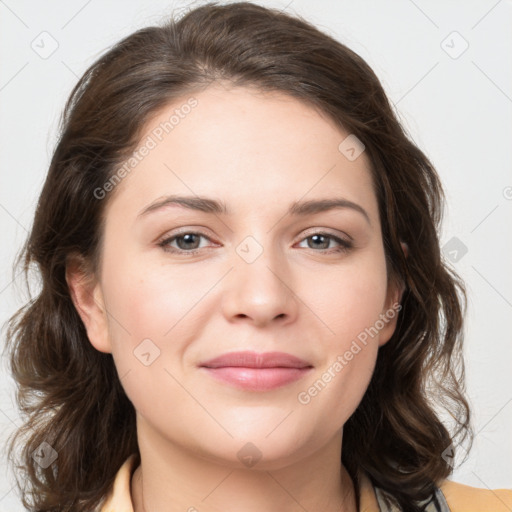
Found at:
<point>257,379</point>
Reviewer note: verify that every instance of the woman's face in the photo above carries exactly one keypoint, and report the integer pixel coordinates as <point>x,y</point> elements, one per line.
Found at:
<point>275,272</point>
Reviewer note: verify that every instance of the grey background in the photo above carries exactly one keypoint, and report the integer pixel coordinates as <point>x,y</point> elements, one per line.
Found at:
<point>456,103</point>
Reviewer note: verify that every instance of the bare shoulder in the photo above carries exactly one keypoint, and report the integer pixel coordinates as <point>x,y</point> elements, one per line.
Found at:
<point>464,498</point>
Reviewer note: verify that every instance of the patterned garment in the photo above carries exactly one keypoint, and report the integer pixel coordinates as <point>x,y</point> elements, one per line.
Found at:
<point>436,503</point>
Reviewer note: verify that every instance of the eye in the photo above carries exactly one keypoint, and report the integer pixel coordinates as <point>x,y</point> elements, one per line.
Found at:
<point>322,241</point>
<point>187,242</point>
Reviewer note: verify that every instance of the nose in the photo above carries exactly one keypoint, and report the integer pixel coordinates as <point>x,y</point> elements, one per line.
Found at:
<point>260,292</point>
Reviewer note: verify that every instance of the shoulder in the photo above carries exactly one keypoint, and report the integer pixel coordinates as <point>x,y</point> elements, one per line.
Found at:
<point>464,498</point>
<point>449,496</point>
<point>119,497</point>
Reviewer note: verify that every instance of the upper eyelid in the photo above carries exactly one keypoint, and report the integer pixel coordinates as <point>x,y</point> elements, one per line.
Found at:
<point>325,231</point>
<point>169,236</point>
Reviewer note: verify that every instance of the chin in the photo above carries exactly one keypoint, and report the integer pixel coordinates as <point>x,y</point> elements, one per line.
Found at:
<point>256,450</point>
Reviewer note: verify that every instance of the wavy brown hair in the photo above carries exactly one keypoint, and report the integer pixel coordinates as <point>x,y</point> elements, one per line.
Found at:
<point>70,394</point>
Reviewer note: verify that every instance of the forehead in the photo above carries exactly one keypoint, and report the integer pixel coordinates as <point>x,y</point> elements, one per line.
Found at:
<point>247,145</point>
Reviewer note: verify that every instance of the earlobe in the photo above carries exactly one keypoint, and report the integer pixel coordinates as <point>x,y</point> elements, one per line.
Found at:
<point>87,297</point>
<point>389,317</point>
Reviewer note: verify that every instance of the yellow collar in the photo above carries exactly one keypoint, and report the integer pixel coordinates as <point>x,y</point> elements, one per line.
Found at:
<point>119,499</point>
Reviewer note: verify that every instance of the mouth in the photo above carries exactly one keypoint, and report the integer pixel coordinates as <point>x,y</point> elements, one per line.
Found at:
<point>257,371</point>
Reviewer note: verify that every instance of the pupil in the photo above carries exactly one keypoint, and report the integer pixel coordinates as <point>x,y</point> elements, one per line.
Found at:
<point>187,240</point>
<point>317,238</point>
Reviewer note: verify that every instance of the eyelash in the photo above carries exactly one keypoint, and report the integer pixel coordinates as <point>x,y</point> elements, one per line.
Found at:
<point>345,245</point>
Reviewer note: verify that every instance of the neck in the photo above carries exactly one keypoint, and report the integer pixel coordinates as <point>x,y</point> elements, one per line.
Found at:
<point>173,479</point>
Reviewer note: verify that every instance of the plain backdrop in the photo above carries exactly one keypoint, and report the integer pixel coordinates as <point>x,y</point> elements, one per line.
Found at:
<point>447,67</point>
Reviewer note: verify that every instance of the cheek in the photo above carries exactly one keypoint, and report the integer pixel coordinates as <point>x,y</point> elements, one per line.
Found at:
<point>348,358</point>
<point>146,313</point>
<point>353,298</point>
<point>148,301</point>
<point>155,311</point>
<point>352,309</point>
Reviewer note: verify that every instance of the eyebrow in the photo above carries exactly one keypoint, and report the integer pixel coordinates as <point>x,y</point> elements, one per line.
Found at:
<point>297,208</point>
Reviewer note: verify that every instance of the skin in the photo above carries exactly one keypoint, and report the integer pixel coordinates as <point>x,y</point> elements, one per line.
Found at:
<point>258,153</point>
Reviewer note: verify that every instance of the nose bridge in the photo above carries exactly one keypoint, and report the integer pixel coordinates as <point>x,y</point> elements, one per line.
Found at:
<point>259,287</point>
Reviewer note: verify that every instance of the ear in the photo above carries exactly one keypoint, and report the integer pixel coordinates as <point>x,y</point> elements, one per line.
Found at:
<point>389,316</point>
<point>87,298</point>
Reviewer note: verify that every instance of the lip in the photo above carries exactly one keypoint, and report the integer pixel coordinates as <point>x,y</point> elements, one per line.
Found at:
<point>257,371</point>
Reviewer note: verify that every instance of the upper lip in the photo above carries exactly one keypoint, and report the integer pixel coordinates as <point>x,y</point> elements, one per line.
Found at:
<point>249,359</point>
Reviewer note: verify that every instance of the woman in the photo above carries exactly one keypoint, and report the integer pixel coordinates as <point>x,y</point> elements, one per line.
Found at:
<point>289,360</point>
